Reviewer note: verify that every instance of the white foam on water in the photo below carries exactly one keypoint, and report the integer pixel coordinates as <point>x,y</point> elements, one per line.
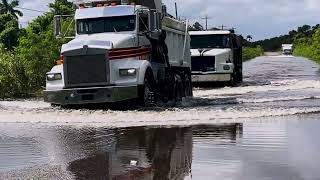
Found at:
<point>177,117</point>
<point>25,104</point>
<point>276,99</point>
<point>283,85</point>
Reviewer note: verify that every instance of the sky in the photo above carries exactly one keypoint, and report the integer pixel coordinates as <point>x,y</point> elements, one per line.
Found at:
<point>259,18</point>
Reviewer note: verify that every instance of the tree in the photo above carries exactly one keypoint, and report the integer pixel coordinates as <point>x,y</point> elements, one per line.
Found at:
<point>38,47</point>
<point>9,31</point>
<point>6,7</point>
<point>62,7</point>
<point>196,27</point>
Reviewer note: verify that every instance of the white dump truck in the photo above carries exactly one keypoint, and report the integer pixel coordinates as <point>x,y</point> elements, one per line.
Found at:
<point>122,50</point>
<point>287,49</point>
<point>216,56</point>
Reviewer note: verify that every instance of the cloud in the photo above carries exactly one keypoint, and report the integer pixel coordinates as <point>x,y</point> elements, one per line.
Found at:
<point>259,18</point>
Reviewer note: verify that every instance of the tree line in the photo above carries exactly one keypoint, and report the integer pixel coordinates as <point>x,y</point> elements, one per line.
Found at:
<point>305,40</point>
<point>275,43</point>
<point>307,44</point>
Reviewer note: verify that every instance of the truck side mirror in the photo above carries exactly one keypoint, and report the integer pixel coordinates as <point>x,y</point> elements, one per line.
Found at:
<point>63,26</point>
<point>57,27</point>
<point>153,20</point>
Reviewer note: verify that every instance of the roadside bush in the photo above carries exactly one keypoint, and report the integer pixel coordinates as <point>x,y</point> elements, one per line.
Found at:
<point>26,55</point>
<point>308,47</point>
<point>250,53</point>
<point>38,52</point>
<point>13,77</point>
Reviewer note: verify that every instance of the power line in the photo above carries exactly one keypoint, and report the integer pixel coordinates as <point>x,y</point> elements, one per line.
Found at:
<point>34,10</point>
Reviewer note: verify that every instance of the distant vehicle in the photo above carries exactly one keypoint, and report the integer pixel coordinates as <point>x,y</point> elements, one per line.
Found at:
<point>122,51</point>
<point>216,57</point>
<point>287,49</point>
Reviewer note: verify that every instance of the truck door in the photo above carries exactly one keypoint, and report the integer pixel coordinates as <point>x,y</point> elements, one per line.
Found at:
<point>143,27</point>
<point>236,48</point>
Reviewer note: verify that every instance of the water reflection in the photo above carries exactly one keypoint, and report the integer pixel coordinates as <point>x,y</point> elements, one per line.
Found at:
<point>137,153</point>
<point>247,151</point>
<point>145,153</point>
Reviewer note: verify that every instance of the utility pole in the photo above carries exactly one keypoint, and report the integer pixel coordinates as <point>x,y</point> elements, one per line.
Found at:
<point>206,18</point>
<point>176,8</point>
<point>222,27</point>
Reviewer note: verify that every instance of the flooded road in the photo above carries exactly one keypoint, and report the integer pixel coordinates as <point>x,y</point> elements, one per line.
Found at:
<point>266,128</point>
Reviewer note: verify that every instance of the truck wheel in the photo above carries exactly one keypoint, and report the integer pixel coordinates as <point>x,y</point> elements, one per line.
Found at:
<point>240,75</point>
<point>187,86</point>
<point>178,88</point>
<point>148,96</point>
<point>233,78</point>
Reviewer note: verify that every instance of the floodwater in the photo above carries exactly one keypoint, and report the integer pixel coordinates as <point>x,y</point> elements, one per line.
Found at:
<point>266,128</point>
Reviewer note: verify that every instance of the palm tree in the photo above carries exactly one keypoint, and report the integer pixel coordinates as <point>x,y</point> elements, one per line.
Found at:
<point>6,7</point>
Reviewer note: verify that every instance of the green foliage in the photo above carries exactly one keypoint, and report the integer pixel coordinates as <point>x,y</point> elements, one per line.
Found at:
<point>275,44</point>
<point>250,53</point>
<point>9,31</point>
<point>26,55</point>
<point>13,77</point>
<point>6,7</point>
<point>38,51</point>
<point>62,7</point>
<point>38,48</point>
<point>308,46</point>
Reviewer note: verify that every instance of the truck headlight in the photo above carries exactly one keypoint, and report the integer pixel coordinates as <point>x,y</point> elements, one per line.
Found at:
<point>127,72</point>
<point>54,77</point>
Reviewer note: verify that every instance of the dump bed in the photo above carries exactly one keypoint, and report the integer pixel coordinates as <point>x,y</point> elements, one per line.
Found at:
<point>178,42</point>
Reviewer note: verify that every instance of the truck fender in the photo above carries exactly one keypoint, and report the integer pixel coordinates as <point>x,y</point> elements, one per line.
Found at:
<point>142,71</point>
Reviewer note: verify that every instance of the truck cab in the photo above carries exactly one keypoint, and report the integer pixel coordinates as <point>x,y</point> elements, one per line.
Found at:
<point>287,49</point>
<point>216,57</point>
<point>118,54</point>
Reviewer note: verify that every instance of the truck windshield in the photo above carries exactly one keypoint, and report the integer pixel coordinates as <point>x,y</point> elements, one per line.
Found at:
<point>210,41</point>
<point>106,24</point>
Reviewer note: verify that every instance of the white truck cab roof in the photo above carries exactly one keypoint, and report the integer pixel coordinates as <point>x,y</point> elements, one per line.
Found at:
<point>195,33</point>
<point>109,11</point>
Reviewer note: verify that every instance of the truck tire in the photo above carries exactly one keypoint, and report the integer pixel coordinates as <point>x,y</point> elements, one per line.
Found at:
<point>178,89</point>
<point>240,75</point>
<point>233,78</point>
<point>187,86</point>
<point>147,97</point>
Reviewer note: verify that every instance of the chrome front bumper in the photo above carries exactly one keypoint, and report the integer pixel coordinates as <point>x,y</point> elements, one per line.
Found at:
<point>210,77</point>
<point>91,95</point>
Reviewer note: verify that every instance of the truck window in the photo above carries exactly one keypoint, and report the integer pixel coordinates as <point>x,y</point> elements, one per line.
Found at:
<point>143,22</point>
<point>210,41</point>
<point>106,24</point>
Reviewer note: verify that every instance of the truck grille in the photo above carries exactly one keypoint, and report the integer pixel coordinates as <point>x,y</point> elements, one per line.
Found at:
<point>86,70</point>
<point>203,63</point>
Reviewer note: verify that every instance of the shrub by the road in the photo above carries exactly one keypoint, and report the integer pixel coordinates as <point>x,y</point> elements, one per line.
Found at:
<point>308,47</point>
<point>13,77</point>
<point>250,53</point>
<point>27,54</point>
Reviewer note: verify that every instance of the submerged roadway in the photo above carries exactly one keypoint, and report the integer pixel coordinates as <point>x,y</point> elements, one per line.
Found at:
<point>264,128</point>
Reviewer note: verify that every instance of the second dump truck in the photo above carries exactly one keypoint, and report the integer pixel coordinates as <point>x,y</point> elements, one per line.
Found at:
<point>122,51</point>
<point>216,57</point>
